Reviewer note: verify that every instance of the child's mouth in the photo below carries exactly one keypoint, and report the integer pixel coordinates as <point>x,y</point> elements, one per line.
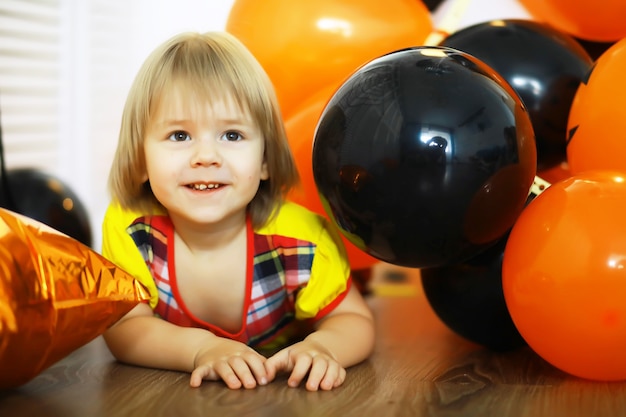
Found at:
<point>202,187</point>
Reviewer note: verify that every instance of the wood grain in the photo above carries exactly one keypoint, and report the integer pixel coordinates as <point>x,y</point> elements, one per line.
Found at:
<point>419,368</point>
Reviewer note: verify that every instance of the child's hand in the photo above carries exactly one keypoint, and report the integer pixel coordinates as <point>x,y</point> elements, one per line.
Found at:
<point>235,363</point>
<point>307,357</point>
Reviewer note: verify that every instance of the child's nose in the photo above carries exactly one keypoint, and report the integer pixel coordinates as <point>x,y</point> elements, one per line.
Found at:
<point>206,152</point>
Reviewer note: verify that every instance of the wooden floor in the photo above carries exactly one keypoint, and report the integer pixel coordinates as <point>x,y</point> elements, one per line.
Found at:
<point>419,368</point>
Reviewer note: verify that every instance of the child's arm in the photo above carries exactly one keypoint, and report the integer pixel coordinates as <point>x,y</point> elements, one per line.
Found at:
<point>343,338</point>
<point>140,338</point>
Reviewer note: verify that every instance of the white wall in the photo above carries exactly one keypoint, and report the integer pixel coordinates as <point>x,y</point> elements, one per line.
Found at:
<point>478,11</point>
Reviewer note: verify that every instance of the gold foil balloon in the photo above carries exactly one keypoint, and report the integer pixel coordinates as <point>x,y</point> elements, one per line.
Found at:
<point>56,294</point>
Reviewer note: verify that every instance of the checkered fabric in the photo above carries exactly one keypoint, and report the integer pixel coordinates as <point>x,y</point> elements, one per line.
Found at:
<point>281,267</point>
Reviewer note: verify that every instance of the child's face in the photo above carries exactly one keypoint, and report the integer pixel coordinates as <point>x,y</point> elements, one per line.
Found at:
<point>204,160</point>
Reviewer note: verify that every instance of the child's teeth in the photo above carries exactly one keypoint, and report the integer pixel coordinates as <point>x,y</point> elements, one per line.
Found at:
<point>202,187</point>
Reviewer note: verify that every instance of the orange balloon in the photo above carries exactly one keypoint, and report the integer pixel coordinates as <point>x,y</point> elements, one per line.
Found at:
<point>564,275</point>
<point>555,173</point>
<point>300,132</point>
<point>600,21</point>
<point>597,119</point>
<point>305,46</point>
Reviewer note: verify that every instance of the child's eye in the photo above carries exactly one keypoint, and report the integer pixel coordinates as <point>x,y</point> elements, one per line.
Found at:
<point>232,136</point>
<point>179,136</point>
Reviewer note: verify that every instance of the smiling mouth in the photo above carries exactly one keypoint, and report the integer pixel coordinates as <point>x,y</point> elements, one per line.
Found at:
<point>202,187</point>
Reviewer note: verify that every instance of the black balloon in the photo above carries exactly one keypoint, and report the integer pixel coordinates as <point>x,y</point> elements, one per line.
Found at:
<point>424,157</point>
<point>432,5</point>
<point>469,299</point>
<point>543,65</point>
<point>47,199</point>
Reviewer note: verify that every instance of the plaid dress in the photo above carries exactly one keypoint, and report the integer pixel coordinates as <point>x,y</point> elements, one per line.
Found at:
<point>296,271</point>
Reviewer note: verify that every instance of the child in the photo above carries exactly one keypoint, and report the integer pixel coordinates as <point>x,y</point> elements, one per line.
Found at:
<point>198,185</point>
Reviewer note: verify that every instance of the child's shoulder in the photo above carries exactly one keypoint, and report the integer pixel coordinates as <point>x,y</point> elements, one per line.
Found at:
<point>290,208</point>
<point>295,220</point>
<point>117,214</point>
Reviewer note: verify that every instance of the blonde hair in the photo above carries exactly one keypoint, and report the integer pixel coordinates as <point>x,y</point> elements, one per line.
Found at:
<point>209,64</point>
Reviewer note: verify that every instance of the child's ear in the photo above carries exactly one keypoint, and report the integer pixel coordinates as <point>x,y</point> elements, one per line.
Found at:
<point>264,171</point>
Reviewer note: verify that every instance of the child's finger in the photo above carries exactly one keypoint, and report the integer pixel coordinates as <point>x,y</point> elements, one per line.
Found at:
<point>321,371</point>
<point>300,370</point>
<point>256,363</point>
<point>242,370</point>
<point>201,373</point>
<point>334,377</point>
<point>276,363</point>
<point>228,375</point>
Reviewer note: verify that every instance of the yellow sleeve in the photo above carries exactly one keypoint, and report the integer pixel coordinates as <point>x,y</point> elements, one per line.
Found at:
<point>330,272</point>
<point>330,276</point>
<point>119,248</point>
